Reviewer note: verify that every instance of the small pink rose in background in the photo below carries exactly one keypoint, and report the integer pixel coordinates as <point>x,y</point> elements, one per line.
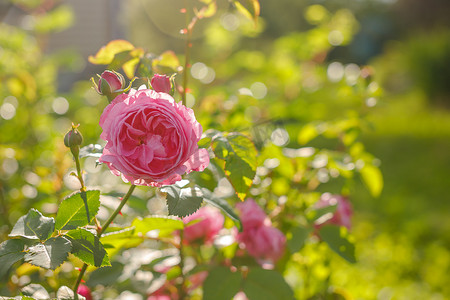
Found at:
<point>110,82</point>
<point>161,83</point>
<point>251,214</point>
<point>204,231</point>
<point>159,297</point>
<point>259,237</point>
<point>263,242</point>
<point>84,291</point>
<point>343,214</point>
<point>240,296</point>
<point>151,139</point>
<point>197,279</point>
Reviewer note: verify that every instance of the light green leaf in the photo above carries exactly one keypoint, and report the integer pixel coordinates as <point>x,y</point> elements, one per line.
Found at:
<point>315,213</point>
<point>297,239</point>
<point>221,284</point>
<point>182,201</point>
<point>307,133</point>
<point>166,62</point>
<point>87,247</point>
<point>266,285</point>
<point>107,53</point>
<point>336,238</point>
<point>373,179</point>
<point>33,226</point>
<point>49,255</point>
<point>249,8</point>
<point>165,225</point>
<point>11,251</point>
<point>72,211</point>
<point>125,238</point>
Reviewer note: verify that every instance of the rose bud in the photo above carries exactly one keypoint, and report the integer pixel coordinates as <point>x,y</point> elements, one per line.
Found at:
<point>204,231</point>
<point>343,214</point>
<point>84,291</point>
<point>73,139</point>
<point>161,84</point>
<point>110,84</point>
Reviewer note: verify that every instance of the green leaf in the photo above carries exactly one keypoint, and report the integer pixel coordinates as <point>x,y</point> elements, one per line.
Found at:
<point>125,238</point>
<point>239,154</point>
<point>182,201</point>
<point>11,251</point>
<point>165,225</point>
<point>106,276</point>
<point>49,255</point>
<point>297,240</point>
<point>307,133</point>
<point>373,179</point>
<point>315,213</point>
<point>107,53</point>
<point>87,247</point>
<point>56,20</point>
<point>266,285</point>
<point>249,8</point>
<point>72,211</point>
<point>166,62</point>
<point>223,205</point>
<point>336,238</point>
<point>33,226</point>
<point>221,284</point>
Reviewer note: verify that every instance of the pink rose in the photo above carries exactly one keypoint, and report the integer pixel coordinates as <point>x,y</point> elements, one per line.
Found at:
<point>251,214</point>
<point>161,83</point>
<point>264,242</point>
<point>84,291</point>
<point>211,221</point>
<point>343,214</point>
<point>151,139</point>
<point>159,297</point>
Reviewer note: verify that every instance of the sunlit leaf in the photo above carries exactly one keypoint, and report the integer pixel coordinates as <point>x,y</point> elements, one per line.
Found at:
<point>107,53</point>
<point>33,226</point>
<point>167,61</point>
<point>373,179</point>
<point>307,133</point>
<point>182,201</point>
<point>72,211</point>
<point>87,247</point>
<point>165,225</point>
<point>249,8</point>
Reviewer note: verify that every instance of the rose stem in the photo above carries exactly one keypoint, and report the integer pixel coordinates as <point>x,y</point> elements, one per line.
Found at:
<point>102,230</point>
<point>181,265</point>
<point>187,52</point>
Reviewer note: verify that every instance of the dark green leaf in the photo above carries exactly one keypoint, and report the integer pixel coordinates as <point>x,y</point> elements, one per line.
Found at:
<point>11,251</point>
<point>33,226</point>
<point>223,205</point>
<point>165,225</point>
<point>106,275</point>
<point>182,201</point>
<point>336,238</point>
<point>87,247</point>
<point>221,284</point>
<point>51,254</point>
<point>266,285</point>
<point>299,235</point>
<point>72,211</point>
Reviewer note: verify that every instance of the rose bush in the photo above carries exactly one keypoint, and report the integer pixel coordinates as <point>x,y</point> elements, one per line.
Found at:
<point>151,139</point>
<point>343,214</point>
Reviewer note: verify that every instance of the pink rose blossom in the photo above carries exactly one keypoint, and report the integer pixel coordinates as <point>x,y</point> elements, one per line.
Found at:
<point>161,83</point>
<point>84,291</point>
<point>151,139</point>
<point>259,237</point>
<point>251,214</point>
<point>264,242</point>
<point>211,221</point>
<point>159,297</point>
<point>343,214</point>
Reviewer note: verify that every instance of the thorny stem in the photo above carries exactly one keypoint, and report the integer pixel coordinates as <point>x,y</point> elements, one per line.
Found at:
<point>99,234</point>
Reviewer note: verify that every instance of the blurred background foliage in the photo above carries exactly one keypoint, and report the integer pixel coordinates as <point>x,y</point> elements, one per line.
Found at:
<point>300,78</point>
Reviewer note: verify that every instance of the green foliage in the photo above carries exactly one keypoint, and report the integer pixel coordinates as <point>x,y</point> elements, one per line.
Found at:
<point>266,284</point>
<point>50,254</point>
<point>221,283</point>
<point>182,201</point>
<point>337,239</point>
<point>33,226</point>
<point>11,251</point>
<point>87,247</point>
<point>72,211</point>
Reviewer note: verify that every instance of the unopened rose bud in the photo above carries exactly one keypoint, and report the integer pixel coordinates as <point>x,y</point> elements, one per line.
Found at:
<point>85,292</point>
<point>110,84</point>
<point>161,83</point>
<point>73,139</point>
